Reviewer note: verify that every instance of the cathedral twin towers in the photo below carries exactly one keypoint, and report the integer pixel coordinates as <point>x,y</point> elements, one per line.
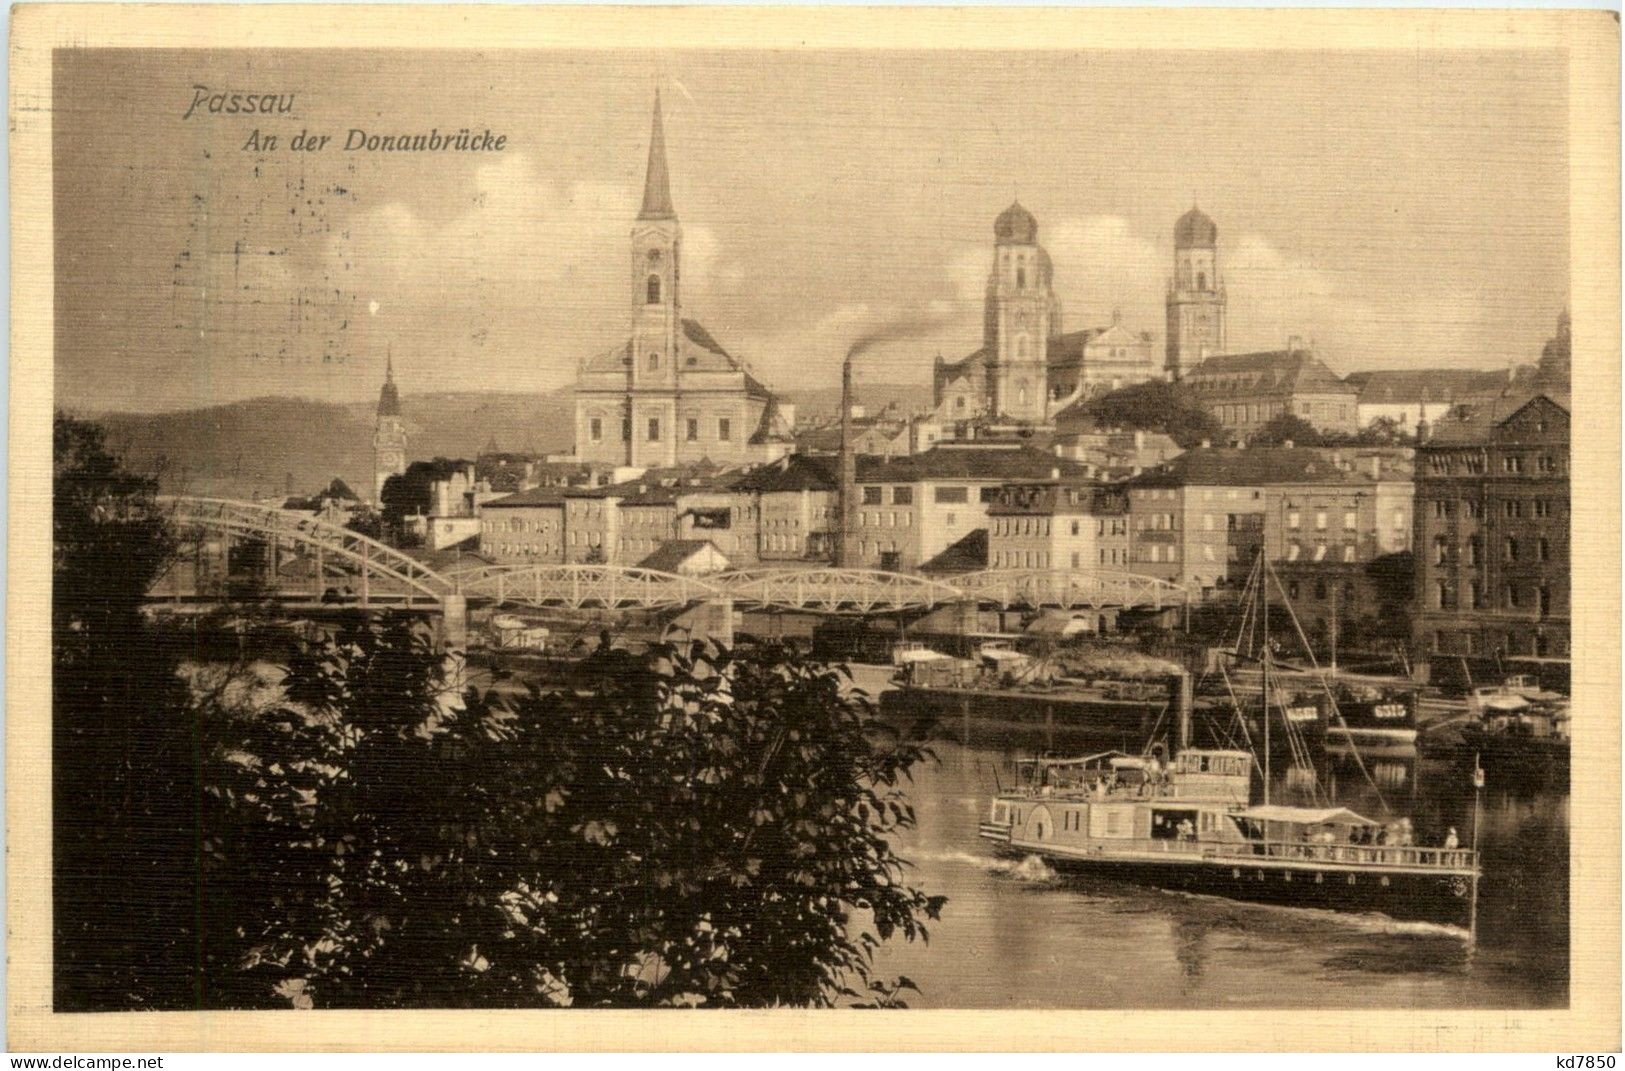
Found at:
<point>671,394</point>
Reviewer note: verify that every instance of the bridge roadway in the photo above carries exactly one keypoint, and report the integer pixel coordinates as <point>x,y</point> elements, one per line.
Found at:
<point>306,557</point>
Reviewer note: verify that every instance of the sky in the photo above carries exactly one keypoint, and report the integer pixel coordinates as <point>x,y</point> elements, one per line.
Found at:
<point>1400,209</point>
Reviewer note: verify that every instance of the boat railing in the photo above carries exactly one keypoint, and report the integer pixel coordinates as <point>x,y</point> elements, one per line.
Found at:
<point>1374,855</point>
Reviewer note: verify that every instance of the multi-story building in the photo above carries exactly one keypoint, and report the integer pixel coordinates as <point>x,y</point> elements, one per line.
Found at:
<point>1057,526</point>
<point>671,394</point>
<point>1245,391</point>
<point>1492,529</point>
<point>910,509</point>
<point>1356,509</point>
<point>525,528</point>
<point>796,500</point>
<point>1409,396</point>
<point>1203,518</point>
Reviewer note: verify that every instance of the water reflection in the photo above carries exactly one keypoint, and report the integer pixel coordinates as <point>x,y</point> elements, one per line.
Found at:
<point>1014,934</point>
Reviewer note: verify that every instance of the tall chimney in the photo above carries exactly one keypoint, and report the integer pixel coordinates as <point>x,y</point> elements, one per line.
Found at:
<point>849,471</point>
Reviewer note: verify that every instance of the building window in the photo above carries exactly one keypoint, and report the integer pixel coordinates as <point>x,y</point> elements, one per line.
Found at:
<point>1399,520</point>
<point>1543,508</point>
<point>1348,552</point>
<point>653,295</point>
<point>902,496</point>
<point>1545,596</point>
<point>1442,595</point>
<point>654,429</point>
<point>1441,550</point>
<point>1441,509</point>
<point>595,429</point>
<point>1511,549</point>
<point>1545,463</point>
<point>1543,550</point>
<point>1294,551</point>
<point>871,496</point>
<point>1320,551</point>
<point>1474,550</point>
<point>1320,521</point>
<point>1512,463</point>
<point>1512,509</point>
<point>1474,508</point>
<point>1292,520</point>
<point>725,429</point>
<point>1476,596</point>
<point>693,430</point>
<point>654,362</point>
<point>950,494</point>
<point>1348,520</point>
<point>1076,558</point>
<point>950,520</point>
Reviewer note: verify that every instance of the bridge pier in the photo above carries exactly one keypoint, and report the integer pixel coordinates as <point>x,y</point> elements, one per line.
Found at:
<point>710,620</point>
<point>453,622</point>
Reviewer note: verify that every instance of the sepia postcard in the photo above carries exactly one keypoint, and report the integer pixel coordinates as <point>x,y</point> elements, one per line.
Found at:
<point>847,528</point>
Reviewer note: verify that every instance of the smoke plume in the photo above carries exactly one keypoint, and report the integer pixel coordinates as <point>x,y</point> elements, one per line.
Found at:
<point>900,329</point>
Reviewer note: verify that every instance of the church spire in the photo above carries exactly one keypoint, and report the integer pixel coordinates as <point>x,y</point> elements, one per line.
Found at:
<point>389,399</point>
<point>657,184</point>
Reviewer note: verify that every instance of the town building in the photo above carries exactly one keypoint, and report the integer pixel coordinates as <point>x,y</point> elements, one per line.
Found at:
<point>389,435</point>
<point>671,394</point>
<point>909,509</point>
<point>1028,368</point>
<point>796,500</point>
<point>1353,508</point>
<point>525,528</point>
<point>1245,391</point>
<point>1492,529</point>
<point>1405,397</point>
<point>335,504</point>
<point>1202,519</point>
<point>1058,526</point>
<point>687,557</point>
<point>1196,298</point>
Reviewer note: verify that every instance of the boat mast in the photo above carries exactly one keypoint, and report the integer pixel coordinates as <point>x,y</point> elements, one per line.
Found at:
<point>1264,596</point>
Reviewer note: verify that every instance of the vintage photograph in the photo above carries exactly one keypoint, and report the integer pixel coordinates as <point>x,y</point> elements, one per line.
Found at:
<point>635,527</point>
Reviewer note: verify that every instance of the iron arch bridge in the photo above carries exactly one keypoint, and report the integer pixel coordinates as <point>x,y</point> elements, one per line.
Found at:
<point>1069,589</point>
<point>580,587</point>
<point>339,560</point>
<point>835,591</point>
<point>346,566</point>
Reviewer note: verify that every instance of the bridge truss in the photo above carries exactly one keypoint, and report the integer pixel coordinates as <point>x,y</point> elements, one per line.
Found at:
<point>383,575</point>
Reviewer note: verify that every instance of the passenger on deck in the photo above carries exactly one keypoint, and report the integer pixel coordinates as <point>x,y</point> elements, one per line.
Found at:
<point>1186,830</point>
<point>1451,843</point>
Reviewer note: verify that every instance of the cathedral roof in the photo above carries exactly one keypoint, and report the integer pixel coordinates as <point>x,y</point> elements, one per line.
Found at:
<point>656,182</point>
<point>1015,226</point>
<point>1195,231</point>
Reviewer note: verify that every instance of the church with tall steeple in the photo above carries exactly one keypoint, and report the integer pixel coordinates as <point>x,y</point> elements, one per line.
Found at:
<point>670,394</point>
<point>389,435</point>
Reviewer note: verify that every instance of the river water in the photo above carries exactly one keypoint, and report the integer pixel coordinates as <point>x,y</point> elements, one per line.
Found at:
<point>1014,934</point>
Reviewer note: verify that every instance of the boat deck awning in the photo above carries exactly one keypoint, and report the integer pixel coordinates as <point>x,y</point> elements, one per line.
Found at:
<point>1306,816</point>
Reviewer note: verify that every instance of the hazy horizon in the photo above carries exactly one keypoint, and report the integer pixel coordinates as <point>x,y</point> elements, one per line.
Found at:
<point>1402,209</point>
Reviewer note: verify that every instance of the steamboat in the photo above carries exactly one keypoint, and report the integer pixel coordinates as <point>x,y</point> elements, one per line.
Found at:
<point>1190,824</point>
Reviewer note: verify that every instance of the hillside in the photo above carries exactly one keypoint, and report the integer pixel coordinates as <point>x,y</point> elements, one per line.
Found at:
<point>264,446</point>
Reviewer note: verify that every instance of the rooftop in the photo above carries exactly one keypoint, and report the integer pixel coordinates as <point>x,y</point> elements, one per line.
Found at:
<point>999,461</point>
<point>1291,371</point>
<point>1425,384</point>
<point>1258,466</point>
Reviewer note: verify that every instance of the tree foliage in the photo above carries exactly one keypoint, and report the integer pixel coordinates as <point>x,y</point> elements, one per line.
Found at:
<point>1287,428</point>
<point>694,826</point>
<point>1156,405</point>
<point>123,770</point>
